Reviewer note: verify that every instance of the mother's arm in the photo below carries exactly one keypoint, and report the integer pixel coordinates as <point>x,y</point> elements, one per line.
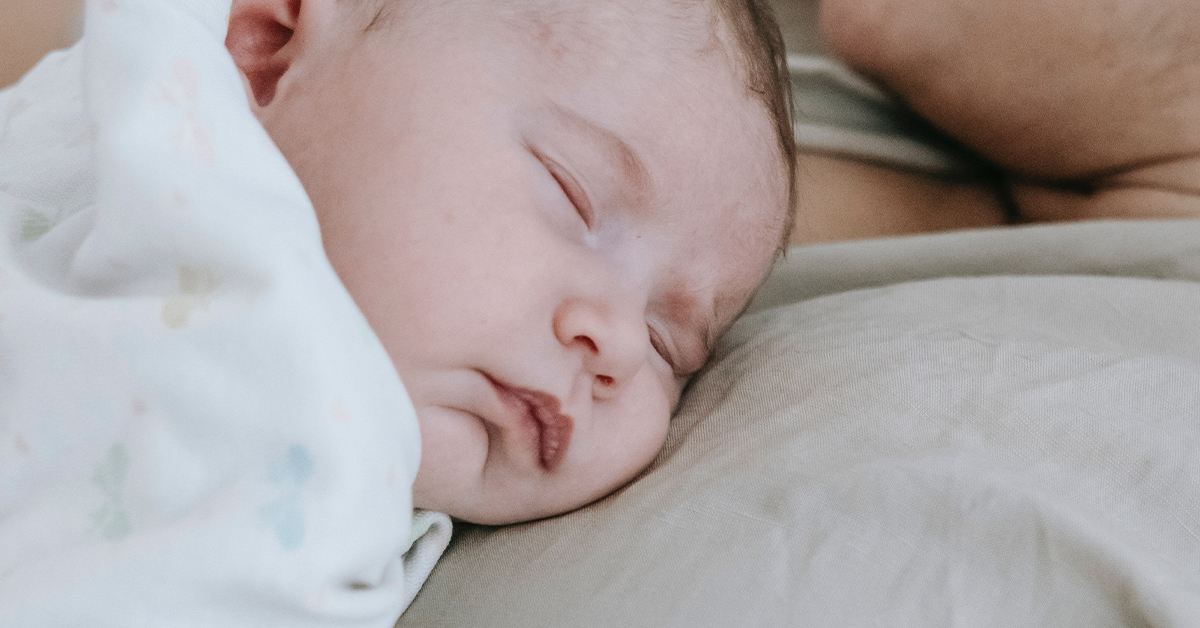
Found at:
<point>1092,105</point>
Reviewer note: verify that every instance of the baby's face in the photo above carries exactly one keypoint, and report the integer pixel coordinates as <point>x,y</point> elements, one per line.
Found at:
<point>546,224</point>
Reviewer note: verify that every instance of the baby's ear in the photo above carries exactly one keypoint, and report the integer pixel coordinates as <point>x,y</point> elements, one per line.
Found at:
<point>259,35</point>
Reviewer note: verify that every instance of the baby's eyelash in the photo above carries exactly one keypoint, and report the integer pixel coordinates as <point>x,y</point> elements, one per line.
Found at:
<point>572,190</point>
<point>660,347</point>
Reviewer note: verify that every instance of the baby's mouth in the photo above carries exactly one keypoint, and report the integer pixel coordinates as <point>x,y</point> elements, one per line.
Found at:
<point>543,413</point>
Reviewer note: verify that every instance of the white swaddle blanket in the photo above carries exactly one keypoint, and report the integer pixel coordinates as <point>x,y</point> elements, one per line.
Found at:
<point>197,425</point>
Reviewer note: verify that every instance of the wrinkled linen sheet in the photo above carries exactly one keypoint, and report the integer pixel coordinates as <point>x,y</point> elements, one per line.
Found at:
<point>985,429</point>
<point>197,425</point>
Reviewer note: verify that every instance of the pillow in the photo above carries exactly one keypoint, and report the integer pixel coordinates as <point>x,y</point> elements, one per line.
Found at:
<point>963,451</point>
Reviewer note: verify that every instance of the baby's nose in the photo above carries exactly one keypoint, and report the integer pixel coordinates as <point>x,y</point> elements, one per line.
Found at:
<point>611,339</point>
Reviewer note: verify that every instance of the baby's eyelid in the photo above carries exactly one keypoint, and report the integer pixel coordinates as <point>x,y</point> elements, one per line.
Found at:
<point>660,347</point>
<point>572,189</point>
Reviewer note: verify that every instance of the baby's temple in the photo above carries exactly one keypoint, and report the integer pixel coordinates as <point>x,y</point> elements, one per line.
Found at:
<point>576,313</point>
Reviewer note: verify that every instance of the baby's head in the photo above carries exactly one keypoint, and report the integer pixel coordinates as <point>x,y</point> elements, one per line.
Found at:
<point>548,210</point>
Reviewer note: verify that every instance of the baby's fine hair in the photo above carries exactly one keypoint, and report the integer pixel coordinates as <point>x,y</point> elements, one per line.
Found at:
<point>764,62</point>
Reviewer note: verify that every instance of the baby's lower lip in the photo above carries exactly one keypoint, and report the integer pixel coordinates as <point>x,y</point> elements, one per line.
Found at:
<point>555,437</point>
<point>541,411</point>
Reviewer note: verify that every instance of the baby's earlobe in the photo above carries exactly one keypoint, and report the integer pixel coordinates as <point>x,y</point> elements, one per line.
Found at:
<point>257,39</point>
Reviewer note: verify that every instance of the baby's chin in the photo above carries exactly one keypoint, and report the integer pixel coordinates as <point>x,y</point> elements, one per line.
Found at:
<point>493,501</point>
<point>491,508</point>
<point>492,512</point>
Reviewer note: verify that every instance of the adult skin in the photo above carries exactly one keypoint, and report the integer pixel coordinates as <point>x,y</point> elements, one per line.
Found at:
<point>1092,106</point>
<point>31,28</point>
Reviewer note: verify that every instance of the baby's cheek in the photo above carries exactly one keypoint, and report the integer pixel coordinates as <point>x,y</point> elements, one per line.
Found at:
<point>653,397</point>
<point>675,391</point>
<point>453,451</point>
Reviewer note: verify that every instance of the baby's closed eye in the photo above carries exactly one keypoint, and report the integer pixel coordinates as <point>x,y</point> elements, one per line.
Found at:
<point>572,190</point>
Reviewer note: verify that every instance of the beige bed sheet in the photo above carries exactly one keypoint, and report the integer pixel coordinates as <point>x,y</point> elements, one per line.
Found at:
<point>998,428</point>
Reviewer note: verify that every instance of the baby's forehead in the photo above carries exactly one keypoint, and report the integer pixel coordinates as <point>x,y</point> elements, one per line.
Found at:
<point>611,32</point>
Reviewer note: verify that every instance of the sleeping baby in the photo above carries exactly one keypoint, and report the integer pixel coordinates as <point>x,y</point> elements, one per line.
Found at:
<point>227,229</point>
<point>547,211</point>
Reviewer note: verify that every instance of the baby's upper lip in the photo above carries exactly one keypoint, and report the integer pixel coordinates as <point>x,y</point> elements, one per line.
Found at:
<point>542,412</point>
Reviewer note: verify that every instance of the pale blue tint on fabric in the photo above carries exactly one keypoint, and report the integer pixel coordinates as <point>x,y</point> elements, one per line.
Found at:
<point>285,515</point>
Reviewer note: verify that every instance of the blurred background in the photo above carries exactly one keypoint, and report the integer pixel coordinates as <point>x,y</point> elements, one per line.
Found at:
<point>31,28</point>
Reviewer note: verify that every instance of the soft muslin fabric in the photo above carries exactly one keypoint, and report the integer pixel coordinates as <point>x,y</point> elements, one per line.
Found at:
<point>197,425</point>
<point>893,440</point>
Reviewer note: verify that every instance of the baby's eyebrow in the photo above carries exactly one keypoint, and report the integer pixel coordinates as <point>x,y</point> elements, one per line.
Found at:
<point>629,164</point>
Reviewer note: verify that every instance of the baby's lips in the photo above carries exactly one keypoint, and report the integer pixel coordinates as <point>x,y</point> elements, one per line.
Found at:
<point>543,411</point>
<point>556,436</point>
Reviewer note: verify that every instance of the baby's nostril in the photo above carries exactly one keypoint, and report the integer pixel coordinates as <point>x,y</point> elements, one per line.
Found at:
<point>591,344</point>
<point>604,380</point>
